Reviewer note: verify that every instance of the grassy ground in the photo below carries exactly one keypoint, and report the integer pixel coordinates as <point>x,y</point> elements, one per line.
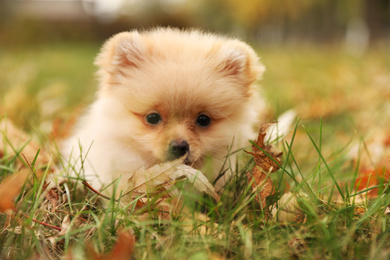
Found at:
<point>342,102</point>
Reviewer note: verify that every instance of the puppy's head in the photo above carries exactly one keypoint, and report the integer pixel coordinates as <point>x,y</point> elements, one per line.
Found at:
<point>185,93</point>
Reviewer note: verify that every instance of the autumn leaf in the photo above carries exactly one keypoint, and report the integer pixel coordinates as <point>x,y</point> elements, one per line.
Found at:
<point>264,165</point>
<point>373,163</point>
<point>371,157</point>
<point>157,185</point>
<point>166,173</point>
<point>9,188</point>
<point>15,142</point>
<point>197,178</point>
<point>262,185</point>
<point>288,209</point>
<point>122,250</point>
<point>268,157</point>
<point>297,245</point>
<point>12,139</point>
<point>123,247</point>
<point>368,179</point>
<point>51,196</point>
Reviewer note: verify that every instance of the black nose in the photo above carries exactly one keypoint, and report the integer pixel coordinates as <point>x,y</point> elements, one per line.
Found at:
<point>177,149</point>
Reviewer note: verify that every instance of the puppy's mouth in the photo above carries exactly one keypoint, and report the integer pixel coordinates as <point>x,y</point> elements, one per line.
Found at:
<point>187,160</point>
<point>179,149</point>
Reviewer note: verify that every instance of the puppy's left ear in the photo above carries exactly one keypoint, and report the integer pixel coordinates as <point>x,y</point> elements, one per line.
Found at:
<point>239,61</point>
<point>124,50</point>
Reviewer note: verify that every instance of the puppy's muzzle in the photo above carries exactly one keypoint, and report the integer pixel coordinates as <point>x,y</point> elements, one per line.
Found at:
<point>177,149</point>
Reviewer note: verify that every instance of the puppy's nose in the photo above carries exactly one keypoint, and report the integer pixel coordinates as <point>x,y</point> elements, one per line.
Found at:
<point>177,149</point>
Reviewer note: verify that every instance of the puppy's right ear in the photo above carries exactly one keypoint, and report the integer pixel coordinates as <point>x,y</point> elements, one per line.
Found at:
<point>123,50</point>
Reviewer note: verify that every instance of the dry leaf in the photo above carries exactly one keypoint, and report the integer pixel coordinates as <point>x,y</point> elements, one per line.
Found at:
<point>372,160</point>
<point>167,173</point>
<point>11,136</point>
<point>297,245</point>
<point>261,159</point>
<point>122,250</point>
<point>369,178</point>
<point>12,140</point>
<point>158,181</point>
<point>146,180</point>
<point>51,196</point>
<point>264,165</point>
<point>288,209</point>
<point>360,210</point>
<point>262,185</point>
<point>387,211</point>
<point>197,178</point>
<point>374,153</point>
<point>10,188</point>
<point>123,247</point>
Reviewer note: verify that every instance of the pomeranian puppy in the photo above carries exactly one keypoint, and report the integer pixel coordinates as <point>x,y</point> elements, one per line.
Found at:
<point>165,94</point>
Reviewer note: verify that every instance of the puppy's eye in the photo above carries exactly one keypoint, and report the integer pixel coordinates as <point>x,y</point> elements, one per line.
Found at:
<point>203,120</point>
<point>153,118</point>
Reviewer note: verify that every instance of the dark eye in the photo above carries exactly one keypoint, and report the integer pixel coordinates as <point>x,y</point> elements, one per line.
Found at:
<point>153,118</point>
<point>203,120</point>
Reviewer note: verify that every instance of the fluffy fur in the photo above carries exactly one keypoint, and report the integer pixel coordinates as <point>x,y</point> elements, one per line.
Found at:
<point>179,75</point>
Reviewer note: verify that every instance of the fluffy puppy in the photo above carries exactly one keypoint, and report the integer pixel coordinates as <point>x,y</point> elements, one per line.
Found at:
<point>163,94</point>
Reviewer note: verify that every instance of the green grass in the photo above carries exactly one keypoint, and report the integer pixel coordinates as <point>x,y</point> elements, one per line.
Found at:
<point>341,101</point>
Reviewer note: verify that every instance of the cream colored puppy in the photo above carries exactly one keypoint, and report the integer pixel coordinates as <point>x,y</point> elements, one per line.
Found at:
<point>163,94</point>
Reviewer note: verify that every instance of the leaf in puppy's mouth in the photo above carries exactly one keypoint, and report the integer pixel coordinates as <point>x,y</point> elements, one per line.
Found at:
<point>158,182</point>
<point>187,160</point>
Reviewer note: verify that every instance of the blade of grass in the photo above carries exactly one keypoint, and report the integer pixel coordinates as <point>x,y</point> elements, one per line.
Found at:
<point>289,153</point>
<point>326,164</point>
<point>356,171</point>
<point>366,190</point>
<point>319,159</point>
<point>303,177</point>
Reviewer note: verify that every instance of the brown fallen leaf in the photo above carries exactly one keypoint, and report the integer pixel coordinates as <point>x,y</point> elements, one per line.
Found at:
<point>65,225</point>
<point>10,188</point>
<point>360,210</point>
<point>264,165</point>
<point>123,247</point>
<point>373,162</point>
<point>156,186</point>
<point>373,153</point>
<point>387,211</point>
<point>367,179</point>
<point>164,174</point>
<point>12,138</point>
<point>262,185</point>
<point>288,209</point>
<point>261,159</point>
<point>122,250</point>
<point>297,245</point>
<point>52,196</point>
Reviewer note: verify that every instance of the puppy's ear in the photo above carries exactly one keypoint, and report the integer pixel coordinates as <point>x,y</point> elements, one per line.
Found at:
<point>238,60</point>
<point>123,50</point>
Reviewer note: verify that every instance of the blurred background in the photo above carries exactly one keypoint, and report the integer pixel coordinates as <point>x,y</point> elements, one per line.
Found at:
<point>327,59</point>
<point>355,22</point>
